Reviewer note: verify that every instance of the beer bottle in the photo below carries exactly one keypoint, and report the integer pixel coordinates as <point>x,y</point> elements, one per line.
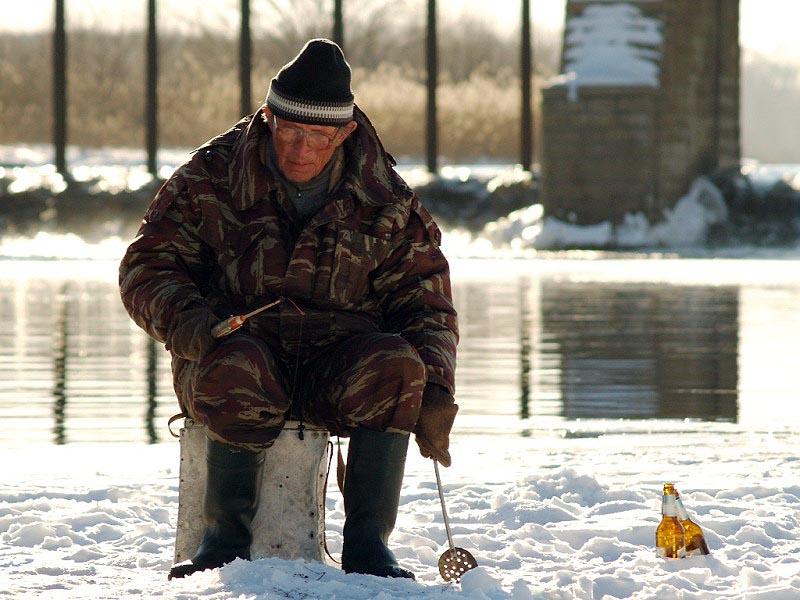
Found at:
<point>695,541</point>
<point>670,542</point>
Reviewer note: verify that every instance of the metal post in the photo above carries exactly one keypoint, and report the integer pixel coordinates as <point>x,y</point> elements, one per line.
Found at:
<point>526,115</point>
<point>716,88</point>
<point>433,69</point>
<point>151,108</point>
<point>338,23</point>
<point>60,89</point>
<point>245,61</point>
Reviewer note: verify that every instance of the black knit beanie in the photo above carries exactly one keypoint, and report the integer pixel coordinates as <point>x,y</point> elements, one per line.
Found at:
<point>314,87</point>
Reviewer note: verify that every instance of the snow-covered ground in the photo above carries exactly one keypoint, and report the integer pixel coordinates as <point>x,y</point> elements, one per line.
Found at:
<point>561,515</point>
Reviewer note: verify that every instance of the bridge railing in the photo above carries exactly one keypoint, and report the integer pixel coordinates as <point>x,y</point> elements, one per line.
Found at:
<point>60,82</point>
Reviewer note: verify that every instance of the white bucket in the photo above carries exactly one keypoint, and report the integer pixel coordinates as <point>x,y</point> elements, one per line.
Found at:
<point>290,520</point>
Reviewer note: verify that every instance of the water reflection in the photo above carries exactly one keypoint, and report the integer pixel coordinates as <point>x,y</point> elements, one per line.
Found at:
<point>524,349</point>
<point>534,350</point>
<point>644,351</point>
<point>74,369</point>
<point>60,367</point>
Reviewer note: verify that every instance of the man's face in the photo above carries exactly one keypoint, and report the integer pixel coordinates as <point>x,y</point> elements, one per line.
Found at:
<point>303,150</point>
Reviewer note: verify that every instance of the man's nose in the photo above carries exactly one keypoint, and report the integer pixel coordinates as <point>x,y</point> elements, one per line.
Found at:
<point>301,142</point>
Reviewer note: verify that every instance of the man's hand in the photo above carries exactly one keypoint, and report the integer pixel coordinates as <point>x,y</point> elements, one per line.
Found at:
<point>190,337</point>
<point>435,422</point>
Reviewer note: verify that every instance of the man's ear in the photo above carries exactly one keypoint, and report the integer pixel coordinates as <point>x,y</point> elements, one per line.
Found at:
<point>348,129</point>
<point>266,112</point>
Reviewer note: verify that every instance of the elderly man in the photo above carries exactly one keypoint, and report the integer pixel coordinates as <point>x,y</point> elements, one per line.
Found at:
<point>300,203</point>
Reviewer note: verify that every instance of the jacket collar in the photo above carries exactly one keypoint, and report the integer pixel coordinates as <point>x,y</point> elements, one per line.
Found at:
<point>249,177</point>
<point>369,174</point>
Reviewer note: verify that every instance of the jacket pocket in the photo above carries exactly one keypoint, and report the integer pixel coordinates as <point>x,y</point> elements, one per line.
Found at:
<point>356,255</point>
<point>248,253</point>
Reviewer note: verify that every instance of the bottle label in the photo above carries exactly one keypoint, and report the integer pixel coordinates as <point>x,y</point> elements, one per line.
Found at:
<point>668,508</point>
<point>682,514</point>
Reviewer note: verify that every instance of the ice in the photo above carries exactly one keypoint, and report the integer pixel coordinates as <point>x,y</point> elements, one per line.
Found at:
<point>753,535</point>
<point>53,543</point>
<point>521,591</point>
<point>479,583</point>
<point>615,586</point>
<point>86,555</point>
<point>62,529</point>
<point>29,535</point>
<point>65,246</point>
<point>608,549</point>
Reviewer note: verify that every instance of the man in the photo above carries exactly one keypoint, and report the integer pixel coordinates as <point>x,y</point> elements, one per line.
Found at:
<point>300,203</point>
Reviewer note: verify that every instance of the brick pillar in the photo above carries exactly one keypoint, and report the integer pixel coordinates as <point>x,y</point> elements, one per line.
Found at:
<point>611,149</point>
<point>699,118</point>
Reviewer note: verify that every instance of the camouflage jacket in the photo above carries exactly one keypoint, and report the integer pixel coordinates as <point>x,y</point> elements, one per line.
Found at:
<point>221,233</point>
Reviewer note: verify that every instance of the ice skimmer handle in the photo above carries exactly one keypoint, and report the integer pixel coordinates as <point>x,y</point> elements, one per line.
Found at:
<point>444,509</point>
<point>455,561</point>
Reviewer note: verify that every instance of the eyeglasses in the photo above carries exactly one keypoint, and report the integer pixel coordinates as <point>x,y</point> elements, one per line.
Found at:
<point>316,140</point>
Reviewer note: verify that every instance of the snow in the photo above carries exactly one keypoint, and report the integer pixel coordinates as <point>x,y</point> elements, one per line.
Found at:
<point>520,234</point>
<point>84,156</point>
<point>561,514</point>
<point>611,44</point>
<point>63,246</point>
<point>683,226</point>
<point>764,176</point>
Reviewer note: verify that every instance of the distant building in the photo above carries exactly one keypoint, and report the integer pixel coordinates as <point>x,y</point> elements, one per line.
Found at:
<point>648,100</point>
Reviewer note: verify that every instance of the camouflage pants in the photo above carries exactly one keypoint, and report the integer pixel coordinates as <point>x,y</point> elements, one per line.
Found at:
<point>241,390</point>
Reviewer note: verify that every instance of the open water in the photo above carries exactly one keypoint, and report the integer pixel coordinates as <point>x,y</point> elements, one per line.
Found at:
<point>560,343</point>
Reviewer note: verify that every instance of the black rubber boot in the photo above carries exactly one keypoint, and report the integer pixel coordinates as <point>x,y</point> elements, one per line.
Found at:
<point>232,491</point>
<point>375,464</point>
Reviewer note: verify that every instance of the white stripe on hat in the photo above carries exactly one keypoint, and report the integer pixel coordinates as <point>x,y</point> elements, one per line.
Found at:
<point>329,111</point>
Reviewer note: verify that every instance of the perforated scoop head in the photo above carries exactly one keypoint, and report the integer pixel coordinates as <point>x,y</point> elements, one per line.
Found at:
<point>455,562</point>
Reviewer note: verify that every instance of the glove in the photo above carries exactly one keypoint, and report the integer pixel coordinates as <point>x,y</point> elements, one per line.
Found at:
<point>190,337</point>
<point>435,421</point>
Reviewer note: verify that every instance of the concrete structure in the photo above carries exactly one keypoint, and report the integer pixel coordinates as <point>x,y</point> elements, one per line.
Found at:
<point>290,522</point>
<point>648,101</point>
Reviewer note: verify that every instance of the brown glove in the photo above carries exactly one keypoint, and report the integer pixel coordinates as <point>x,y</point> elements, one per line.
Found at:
<point>435,422</point>
<point>190,337</point>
